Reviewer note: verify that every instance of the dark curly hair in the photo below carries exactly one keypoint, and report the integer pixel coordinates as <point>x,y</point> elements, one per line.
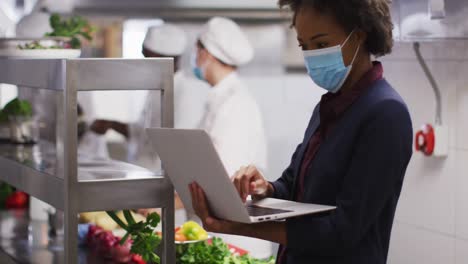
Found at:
<point>370,16</point>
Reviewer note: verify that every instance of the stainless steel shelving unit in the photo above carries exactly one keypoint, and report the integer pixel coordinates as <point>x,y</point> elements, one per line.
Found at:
<point>70,187</point>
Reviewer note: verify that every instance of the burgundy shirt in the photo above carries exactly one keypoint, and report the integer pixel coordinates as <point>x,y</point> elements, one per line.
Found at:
<point>332,107</point>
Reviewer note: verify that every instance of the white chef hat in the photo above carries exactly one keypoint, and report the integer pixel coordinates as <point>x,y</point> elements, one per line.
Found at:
<point>166,39</point>
<point>225,40</point>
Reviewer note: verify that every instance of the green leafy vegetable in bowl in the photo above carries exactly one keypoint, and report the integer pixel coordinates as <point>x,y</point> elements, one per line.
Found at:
<point>37,45</point>
<point>17,108</point>
<point>75,28</point>
<point>215,253</point>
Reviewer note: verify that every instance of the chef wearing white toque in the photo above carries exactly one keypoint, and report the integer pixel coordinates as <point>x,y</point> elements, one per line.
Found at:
<point>167,40</point>
<point>162,41</point>
<point>232,116</point>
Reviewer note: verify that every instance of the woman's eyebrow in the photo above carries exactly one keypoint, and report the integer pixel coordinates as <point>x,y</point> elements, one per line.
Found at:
<point>318,36</point>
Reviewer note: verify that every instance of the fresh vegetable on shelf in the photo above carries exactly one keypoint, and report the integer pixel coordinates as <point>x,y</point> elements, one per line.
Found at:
<point>137,217</point>
<point>5,191</point>
<point>103,220</point>
<point>107,246</point>
<point>18,108</point>
<point>121,253</point>
<point>37,45</point>
<point>75,28</point>
<point>17,200</point>
<point>145,241</point>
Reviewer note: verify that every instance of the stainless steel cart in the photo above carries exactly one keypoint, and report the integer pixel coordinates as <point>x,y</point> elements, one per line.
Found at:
<point>66,186</point>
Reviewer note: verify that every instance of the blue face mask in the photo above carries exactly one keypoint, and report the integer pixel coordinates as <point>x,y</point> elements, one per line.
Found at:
<point>326,66</point>
<point>197,71</point>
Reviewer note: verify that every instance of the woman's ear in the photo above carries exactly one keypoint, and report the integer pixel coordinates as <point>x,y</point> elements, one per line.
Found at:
<point>361,37</point>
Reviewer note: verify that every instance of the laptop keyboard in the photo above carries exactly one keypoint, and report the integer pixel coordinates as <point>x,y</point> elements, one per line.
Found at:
<point>261,211</point>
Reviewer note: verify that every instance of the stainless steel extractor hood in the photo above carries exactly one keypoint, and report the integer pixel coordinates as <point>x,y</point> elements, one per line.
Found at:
<point>182,9</point>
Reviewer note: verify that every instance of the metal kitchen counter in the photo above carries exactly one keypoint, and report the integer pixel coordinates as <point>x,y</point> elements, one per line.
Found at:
<point>56,174</point>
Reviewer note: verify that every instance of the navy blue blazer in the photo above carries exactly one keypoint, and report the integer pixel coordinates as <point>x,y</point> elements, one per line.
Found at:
<point>359,168</point>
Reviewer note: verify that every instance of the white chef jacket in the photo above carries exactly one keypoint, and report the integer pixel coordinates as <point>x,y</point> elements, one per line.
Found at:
<point>189,100</point>
<point>234,122</point>
<point>93,145</point>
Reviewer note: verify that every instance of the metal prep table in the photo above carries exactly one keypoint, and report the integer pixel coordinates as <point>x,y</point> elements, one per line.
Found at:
<point>56,177</point>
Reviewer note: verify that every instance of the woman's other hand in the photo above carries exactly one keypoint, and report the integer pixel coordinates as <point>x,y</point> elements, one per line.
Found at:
<point>250,181</point>
<point>210,223</point>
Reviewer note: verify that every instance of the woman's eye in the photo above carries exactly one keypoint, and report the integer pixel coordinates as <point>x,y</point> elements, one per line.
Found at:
<point>322,45</point>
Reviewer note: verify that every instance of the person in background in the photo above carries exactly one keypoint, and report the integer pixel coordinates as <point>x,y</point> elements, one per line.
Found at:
<point>162,41</point>
<point>90,144</point>
<point>355,150</point>
<point>232,118</point>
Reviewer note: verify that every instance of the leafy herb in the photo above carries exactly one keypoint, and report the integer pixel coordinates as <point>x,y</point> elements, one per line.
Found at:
<point>37,45</point>
<point>5,191</point>
<point>216,253</point>
<point>17,107</point>
<point>145,241</point>
<point>75,28</point>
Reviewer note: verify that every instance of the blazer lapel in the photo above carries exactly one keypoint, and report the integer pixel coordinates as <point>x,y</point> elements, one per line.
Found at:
<point>314,123</point>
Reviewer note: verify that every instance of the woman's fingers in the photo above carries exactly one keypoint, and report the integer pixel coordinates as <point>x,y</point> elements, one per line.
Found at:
<point>245,182</point>
<point>194,198</point>
<point>242,180</point>
<point>237,179</point>
<point>258,186</point>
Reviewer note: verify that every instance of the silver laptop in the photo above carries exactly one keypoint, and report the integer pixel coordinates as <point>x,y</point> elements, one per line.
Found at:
<point>190,156</point>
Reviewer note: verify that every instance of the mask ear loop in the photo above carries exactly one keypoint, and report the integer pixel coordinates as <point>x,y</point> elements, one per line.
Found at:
<point>355,54</point>
<point>357,50</point>
<point>349,36</point>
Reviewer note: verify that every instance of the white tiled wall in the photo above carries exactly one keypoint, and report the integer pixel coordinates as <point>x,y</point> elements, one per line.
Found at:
<point>461,251</point>
<point>414,245</point>
<point>432,217</point>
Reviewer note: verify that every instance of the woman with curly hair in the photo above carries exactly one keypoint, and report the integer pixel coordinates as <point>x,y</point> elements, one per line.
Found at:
<point>355,150</point>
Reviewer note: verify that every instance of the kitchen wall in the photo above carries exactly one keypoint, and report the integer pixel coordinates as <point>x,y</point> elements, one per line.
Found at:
<point>432,217</point>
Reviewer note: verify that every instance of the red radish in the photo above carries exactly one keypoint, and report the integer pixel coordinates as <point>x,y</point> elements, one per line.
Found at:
<point>137,259</point>
<point>121,253</point>
<point>17,200</point>
<point>106,241</point>
<point>92,237</point>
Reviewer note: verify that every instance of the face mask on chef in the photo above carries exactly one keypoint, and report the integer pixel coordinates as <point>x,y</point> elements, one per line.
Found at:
<point>326,66</point>
<point>198,66</point>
